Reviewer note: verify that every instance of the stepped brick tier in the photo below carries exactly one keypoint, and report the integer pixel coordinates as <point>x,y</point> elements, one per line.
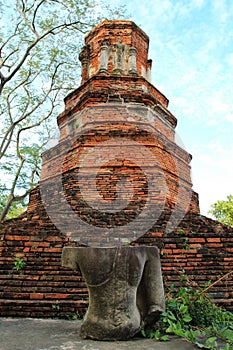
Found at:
<point>118,113</point>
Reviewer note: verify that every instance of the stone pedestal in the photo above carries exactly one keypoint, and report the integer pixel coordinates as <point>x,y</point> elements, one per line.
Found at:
<point>125,289</point>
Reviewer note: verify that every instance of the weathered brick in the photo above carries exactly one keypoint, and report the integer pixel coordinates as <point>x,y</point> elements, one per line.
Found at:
<point>215,245</point>
<point>17,238</point>
<point>197,240</point>
<point>214,239</point>
<point>36,296</point>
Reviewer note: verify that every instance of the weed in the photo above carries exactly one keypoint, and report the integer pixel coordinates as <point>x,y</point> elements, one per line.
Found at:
<point>18,264</point>
<point>55,307</point>
<point>180,231</point>
<point>74,317</point>
<point>186,243</point>
<point>191,314</point>
<point>164,254</point>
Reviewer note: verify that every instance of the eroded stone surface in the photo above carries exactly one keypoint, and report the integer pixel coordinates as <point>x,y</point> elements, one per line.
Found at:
<point>125,289</point>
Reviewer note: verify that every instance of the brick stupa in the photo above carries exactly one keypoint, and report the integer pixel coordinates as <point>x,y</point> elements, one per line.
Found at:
<point>115,102</point>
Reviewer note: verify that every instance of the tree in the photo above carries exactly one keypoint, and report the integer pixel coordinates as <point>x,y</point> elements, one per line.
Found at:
<point>16,208</point>
<point>39,45</point>
<point>223,210</point>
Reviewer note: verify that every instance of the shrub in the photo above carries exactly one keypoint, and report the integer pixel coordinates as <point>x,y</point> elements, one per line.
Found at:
<point>191,314</point>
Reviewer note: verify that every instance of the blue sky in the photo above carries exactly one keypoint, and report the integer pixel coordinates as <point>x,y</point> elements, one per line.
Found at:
<point>191,45</point>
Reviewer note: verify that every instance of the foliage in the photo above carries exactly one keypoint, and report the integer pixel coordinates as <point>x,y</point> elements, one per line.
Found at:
<point>191,314</point>
<point>19,264</point>
<point>222,210</point>
<point>16,209</point>
<point>55,306</point>
<point>38,67</point>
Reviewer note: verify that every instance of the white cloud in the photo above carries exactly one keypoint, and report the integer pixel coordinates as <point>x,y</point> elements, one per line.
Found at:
<point>229,117</point>
<point>212,167</point>
<point>197,3</point>
<point>220,8</point>
<point>229,60</point>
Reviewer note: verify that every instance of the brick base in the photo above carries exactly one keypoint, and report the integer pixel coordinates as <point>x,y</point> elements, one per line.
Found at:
<point>200,248</point>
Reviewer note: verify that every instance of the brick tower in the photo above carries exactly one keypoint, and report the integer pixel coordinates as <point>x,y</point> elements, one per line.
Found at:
<point>117,132</point>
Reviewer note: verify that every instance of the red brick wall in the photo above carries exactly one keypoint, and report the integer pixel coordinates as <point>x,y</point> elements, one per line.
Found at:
<point>199,247</point>
<point>103,89</point>
<point>42,288</point>
<point>95,125</point>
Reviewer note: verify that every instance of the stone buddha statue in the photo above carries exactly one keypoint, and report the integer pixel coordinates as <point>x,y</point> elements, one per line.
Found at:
<point>125,289</point>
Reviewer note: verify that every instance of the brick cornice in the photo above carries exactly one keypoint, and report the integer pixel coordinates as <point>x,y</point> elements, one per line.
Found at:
<point>104,88</point>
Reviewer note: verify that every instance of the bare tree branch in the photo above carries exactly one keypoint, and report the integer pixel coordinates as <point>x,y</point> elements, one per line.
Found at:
<point>33,44</point>
<point>11,196</point>
<point>33,53</point>
<point>34,15</point>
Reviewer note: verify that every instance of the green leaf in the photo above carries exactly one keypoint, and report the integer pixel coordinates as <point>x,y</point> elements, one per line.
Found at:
<point>200,345</point>
<point>211,341</point>
<point>169,330</point>
<point>187,318</point>
<point>143,332</point>
<point>171,316</point>
<point>164,338</point>
<point>227,334</point>
<point>183,309</point>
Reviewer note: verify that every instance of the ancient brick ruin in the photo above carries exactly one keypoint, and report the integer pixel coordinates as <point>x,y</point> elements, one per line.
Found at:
<point>115,101</point>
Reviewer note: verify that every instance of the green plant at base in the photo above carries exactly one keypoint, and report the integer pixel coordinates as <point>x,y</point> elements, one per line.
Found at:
<point>154,334</point>
<point>74,317</point>
<point>55,307</point>
<point>19,264</point>
<point>191,314</point>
